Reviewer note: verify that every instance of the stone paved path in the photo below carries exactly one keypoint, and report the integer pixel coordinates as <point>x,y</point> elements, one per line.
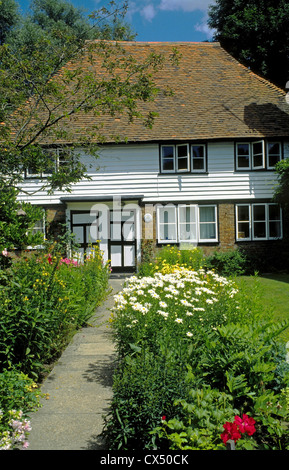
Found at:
<point>79,388</point>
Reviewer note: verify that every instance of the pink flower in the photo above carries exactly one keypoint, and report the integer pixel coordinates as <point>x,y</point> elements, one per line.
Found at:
<point>25,445</point>
<point>5,252</point>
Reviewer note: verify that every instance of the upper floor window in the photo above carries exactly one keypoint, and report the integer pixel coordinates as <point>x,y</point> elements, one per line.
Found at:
<point>183,158</point>
<point>55,159</point>
<point>258,155</point>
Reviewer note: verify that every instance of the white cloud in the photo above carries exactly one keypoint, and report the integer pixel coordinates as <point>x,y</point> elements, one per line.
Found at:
<point>203,27</point>
<point>185,5</point>
<point>148,12</point>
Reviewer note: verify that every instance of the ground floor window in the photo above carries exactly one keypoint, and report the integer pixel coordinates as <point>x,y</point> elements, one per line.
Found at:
<point>258,221</point>
<point>187,223</point>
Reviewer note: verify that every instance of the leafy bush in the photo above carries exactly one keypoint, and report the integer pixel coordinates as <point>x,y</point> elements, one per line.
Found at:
<point>195,349</point>
<point>228,263</point>
<point>43,300</point>
<point>19,396</point>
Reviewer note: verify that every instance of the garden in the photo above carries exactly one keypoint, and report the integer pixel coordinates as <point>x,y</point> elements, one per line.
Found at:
<point>201,359</point>
<point>44,299</point>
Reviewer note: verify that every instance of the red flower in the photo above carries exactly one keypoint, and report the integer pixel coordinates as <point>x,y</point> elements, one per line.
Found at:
<point>231,432</point>
<point>240,426</point>
<point>245,424</point>
<point>49,259</point>
<point>164,418</point>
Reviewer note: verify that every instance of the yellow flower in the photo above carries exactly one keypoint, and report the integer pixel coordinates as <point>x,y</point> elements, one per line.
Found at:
<point>25,298</point>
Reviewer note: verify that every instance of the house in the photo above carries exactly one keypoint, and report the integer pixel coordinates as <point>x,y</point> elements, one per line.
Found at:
<point>203,175</point>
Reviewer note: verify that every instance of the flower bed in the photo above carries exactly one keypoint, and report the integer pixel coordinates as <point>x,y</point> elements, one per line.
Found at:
<point>194,353</point>
<point>44,299</point>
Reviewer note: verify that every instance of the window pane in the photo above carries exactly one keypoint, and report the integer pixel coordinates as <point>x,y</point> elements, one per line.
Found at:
<point>257,154</point>
<point>167,156</point>
<point>259,212</point>
<point>168,232</point>
<point>187,223</point>
<point>207,232</point>
<point>207,223</point>
<point>243,213</point>
<point>168,165</point>
<point>274,153</point>
<point>167,224</point>
<point>167,215</point>
<point>243,155</point>
<point>275,229</point>
<point>259,230</point>
<point>182,157</point>
<point>207,214</point>
<point>274,212</point>
<point>243,230</point>
<point>198,157</point>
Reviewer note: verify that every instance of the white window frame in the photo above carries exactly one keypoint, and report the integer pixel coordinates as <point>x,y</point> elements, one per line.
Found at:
<point>265,155</point>
<point>242,168</point>
<point>251,221</point>
<point>270,167</point>
<point>177,158</point>
<point>159,223</point>
<point>177,222</point>
<point>56,152</point>
<point>262,166</point>
<point>174,159</point>
<point>41,229</point>
<point>204,169</point>
<point>244,222</point>
<point>196,222</point>
<point>189,158</point>
<point>209,240</point>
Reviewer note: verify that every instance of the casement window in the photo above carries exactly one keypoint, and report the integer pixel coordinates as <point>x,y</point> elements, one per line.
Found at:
<point>39,227</point>
<point>187,223</point>
<point>258,222</point>
<point>56,159</point>
<point>273,154</point>
<point>258,155</point>
<point>183,158</point>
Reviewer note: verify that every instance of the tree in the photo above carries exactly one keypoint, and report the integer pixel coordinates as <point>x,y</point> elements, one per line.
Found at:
<point>255,32</point>
<point>9,17</point>
<point>41,91</point>
<point>281,194</point>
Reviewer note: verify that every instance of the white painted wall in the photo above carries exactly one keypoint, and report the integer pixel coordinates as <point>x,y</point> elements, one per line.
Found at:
<point>133,170</point>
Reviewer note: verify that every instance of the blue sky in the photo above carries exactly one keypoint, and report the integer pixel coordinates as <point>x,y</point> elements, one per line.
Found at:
<point>159,20</point>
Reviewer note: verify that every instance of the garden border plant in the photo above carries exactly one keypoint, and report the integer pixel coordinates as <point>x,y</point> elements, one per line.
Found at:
<point>195,349</point>
<point>44,299</point>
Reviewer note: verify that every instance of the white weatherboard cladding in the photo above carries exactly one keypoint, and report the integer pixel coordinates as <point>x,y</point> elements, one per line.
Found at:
<point>133,170</point>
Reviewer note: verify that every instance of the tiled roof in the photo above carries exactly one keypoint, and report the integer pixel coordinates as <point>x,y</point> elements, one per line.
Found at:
<point>214,97</point>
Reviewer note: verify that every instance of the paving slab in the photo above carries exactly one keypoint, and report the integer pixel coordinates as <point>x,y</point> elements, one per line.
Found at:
<point>79,388</point>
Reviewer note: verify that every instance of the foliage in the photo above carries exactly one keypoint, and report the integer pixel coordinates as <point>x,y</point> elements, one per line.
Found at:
<point>17,392</point>
<point>228,263</point>
<point>196,349</point>
<point>44,299</point>
<point>15,229</point>
<point>46,79</point>
<point>281,195</point>
<point>255,33</point>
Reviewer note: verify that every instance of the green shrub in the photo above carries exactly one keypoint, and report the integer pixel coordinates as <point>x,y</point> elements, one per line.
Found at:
<point>19,396</point>
<point>227,263</point>
<point>44,299</point>
<point>199,321</point>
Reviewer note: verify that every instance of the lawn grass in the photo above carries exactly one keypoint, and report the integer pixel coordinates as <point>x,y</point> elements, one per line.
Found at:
<point>274,292</point>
